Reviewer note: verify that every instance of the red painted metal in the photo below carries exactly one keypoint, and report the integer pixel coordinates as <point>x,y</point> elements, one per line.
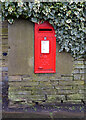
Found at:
<point>44,48</point>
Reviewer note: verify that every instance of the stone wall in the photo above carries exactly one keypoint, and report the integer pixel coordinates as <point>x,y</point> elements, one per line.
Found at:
<point>0,67</point>
<point>69,88</point>
<point>4,62</point>
<point>42,88</point>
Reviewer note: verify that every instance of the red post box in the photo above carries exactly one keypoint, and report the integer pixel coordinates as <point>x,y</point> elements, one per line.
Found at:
<point>44,48</point>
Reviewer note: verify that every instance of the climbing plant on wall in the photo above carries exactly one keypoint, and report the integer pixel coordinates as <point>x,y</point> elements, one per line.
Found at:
<point>68,20</point>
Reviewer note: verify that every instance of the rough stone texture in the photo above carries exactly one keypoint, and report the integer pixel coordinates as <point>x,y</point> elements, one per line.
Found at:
<point>45,88</point>
<point>0,67</point>
<point>4,66</point>
<point>69,88</point>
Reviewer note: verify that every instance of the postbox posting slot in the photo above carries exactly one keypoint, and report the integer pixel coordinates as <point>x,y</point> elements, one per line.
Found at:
<point>45,29</point>
<point>41,29</point>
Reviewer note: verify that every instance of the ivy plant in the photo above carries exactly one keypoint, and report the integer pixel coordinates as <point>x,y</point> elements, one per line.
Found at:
<point>68,20</point>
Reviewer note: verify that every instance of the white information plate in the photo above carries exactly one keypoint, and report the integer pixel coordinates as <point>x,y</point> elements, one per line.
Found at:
<point>45,46</point>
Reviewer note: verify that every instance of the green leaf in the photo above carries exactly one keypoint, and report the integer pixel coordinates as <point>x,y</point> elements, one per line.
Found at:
<point>56,21</point>
<point>68,21</point>
<point>30,5</point>
<point>29,13</point>
<point>50,16</point>
<point>10,21</point>
<point>51,22</point>
<point>6,14</point>
<point>6,4</point>
<point>34,20</point>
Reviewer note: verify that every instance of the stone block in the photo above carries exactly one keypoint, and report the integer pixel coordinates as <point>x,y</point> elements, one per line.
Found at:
<point>0,77</point>
<point>38,92</point>
<point>37,97</point>
<point>79,87</point>
<point>15,78</point>
<point>74,101</point>
<point>51,98</point>
<point>24,88</point>
<point>67,78</point>
<point>0,83</point>
<point>26,78</point>
<point>85,62</point>
<point>79,66</point>
<point>44,86</point>
<point>82,77</point>
<point>5,78</point>
<point>23,93</point>
<point>55,79</point>
<point>82,71</point>
<point>51,92</point>
<point>33,83</point>
<point>5,37</point>
<point>56,97</point>
<point>54,83</point>
<point>4,68</point>
<point>64,88</point>
<point>4,74</point>
<point>66,92</point>
<point>75,71</point>
<point>79,62</point>
<point>75,96</point>
<point>4,41</point>
<point>0,69</point>
<point>4,30</point>
<point>42,92</point>
<point>77,77</point>
<point>66,83</point>
<point>81,91</point>
<point>79,83</point>
<point>23,84</point>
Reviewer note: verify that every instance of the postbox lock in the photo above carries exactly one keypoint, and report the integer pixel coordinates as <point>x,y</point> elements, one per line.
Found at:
<point>45,38</point>
<point>40,67</point>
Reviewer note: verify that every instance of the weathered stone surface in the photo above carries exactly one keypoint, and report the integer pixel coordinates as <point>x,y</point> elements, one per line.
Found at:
<point>67,78</point>
<point>79,87</point>
<point>79,82</point>
<point>68,83</point>
<point>64,88</point>
<point>79,62</point>
<point>0,69</point>
<point>80,66</point>
<point>4,68</point>
<point>83,77</point>
<point>75,96</point>
<point>83,71</point>
<point>66,92</point>
<point>26,78</point>
<point>74,101</point>
<point>14,78</point>
<point>77,77</point>
<point>76,71</point>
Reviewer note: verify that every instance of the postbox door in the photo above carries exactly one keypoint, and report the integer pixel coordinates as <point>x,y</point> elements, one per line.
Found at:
<point>45,55</point>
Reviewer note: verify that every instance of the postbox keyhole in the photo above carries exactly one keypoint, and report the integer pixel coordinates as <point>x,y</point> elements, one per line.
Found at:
<point>45,38</point>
